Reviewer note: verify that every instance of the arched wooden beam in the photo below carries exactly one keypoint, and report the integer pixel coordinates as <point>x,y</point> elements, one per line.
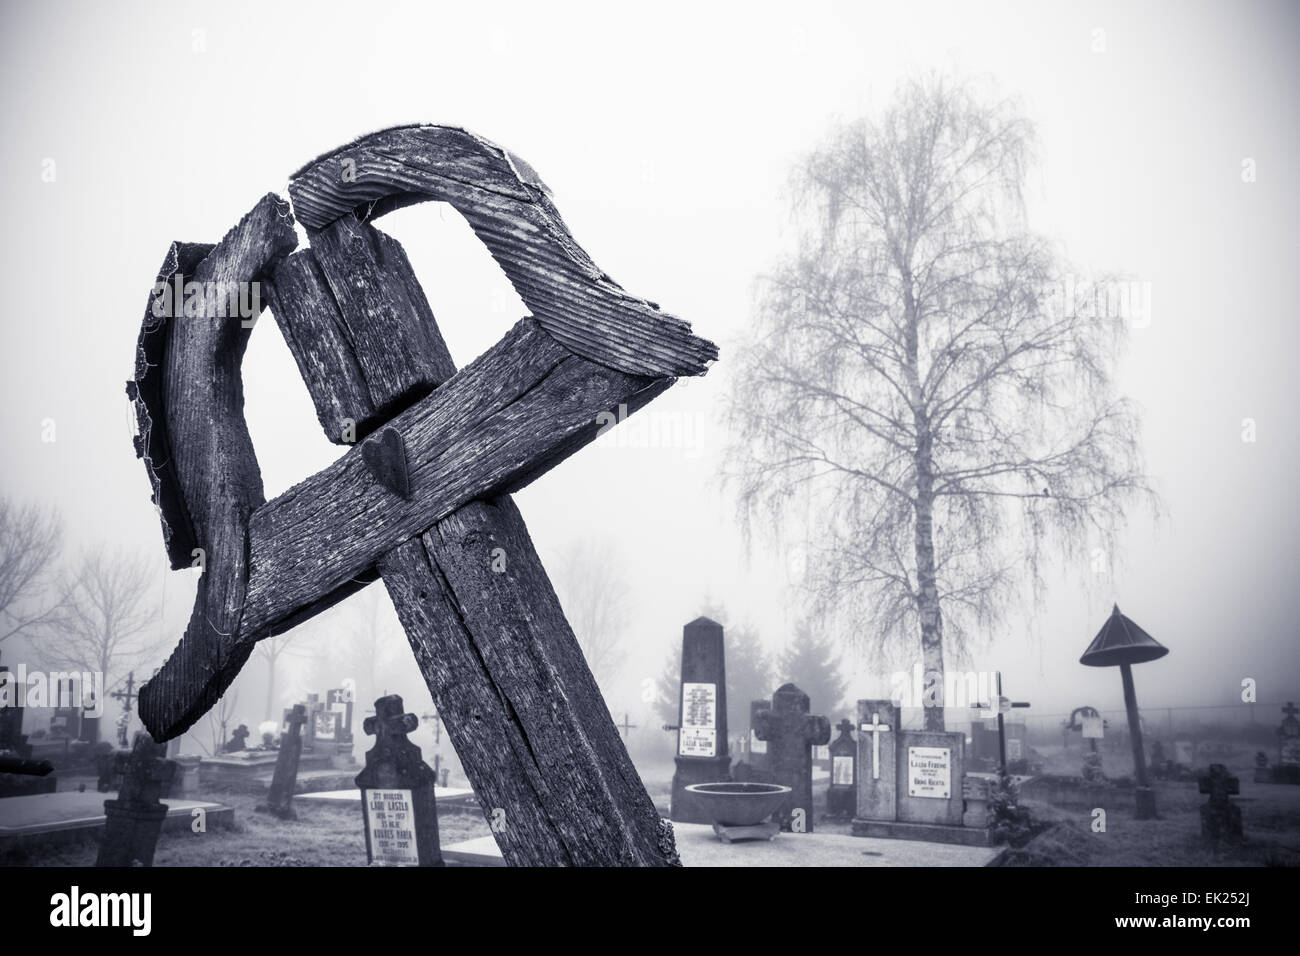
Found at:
<point>509,209</point>
<point>189,398</point>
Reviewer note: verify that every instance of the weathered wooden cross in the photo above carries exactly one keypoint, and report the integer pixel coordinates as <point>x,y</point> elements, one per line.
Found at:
<point>423,500</point>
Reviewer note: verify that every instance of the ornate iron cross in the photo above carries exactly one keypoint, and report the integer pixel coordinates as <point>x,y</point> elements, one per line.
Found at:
<point>423,498</point>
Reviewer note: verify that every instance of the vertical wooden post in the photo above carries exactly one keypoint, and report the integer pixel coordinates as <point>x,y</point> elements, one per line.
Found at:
<point>1146,803</point>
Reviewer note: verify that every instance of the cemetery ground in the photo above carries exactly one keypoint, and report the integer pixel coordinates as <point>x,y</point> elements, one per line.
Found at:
<point>326,834</point>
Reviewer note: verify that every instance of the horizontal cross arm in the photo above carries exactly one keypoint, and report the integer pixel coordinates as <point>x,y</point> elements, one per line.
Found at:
<point>500,422</point>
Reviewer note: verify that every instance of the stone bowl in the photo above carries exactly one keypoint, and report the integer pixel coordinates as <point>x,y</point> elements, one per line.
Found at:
<point>739,804</point>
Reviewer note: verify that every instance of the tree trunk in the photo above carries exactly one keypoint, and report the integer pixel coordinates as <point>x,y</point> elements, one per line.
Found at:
<point>270,685</point>
<point>927,603</point>
<point>927,598</point>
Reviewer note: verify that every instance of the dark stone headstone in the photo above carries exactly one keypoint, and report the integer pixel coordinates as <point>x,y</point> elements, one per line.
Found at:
<point>135,818</point>
<point>984,754</point>
<point>12,698</point>
<point>397,798</point>
<point>89,729</point>
<point>1288,747</point>
<point>702,754</point>
<point>1220,817</point>
<point>237,741</point>
<point>791,732</point>
<point>279,801</point>
<point>842,794</point>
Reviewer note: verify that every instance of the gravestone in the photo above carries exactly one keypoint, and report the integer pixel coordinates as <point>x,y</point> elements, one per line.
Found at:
<point>842,794</point>
<point>279,800</point>
<point>66,721</point>
<point>912,783</point>
<point>702,755</point>
<point>977,796</point>
<point>12,697</point>
<point>1220,817</point>
<point>135,818</point>
<point>984,744</point>
<point>187,775</point>
<point>1288,747</point>
<point>339,700</point>
<point>237,741</point>
<point>397,798</point>
<point>1017,742</point>
<point>791,733</point>
<point>1184,753</point>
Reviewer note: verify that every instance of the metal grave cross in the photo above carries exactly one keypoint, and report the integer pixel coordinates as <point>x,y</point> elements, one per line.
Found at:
<point>126,697</point>
<point>625,726</point>
<point>875,728</point>
<point>422,497</point>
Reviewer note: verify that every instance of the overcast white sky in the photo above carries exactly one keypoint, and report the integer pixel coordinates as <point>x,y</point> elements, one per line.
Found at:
<point>666,135</point>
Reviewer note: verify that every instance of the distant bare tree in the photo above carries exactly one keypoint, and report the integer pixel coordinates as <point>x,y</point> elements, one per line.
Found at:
<point>593,591</point>
<point>106,615</point>
<point>271,649</point>
<point>29,544</point>
<point>219,718</point>
<point>917,391</point>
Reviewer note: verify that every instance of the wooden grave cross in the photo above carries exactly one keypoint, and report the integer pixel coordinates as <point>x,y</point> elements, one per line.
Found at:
<point>422,497</point>
<point>625,726</point>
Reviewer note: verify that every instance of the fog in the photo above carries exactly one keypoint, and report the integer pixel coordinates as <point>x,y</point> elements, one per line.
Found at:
<point>666,138</point>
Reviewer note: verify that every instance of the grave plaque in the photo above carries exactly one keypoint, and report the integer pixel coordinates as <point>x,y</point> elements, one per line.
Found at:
<point>702,754</point>
<point>932,763</point>
<point>390,824</point>
<point>929,772</point>
<point>699,730</point>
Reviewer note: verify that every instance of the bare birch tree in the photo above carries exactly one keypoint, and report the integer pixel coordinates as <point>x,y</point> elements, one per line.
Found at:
<point>917,396</point>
